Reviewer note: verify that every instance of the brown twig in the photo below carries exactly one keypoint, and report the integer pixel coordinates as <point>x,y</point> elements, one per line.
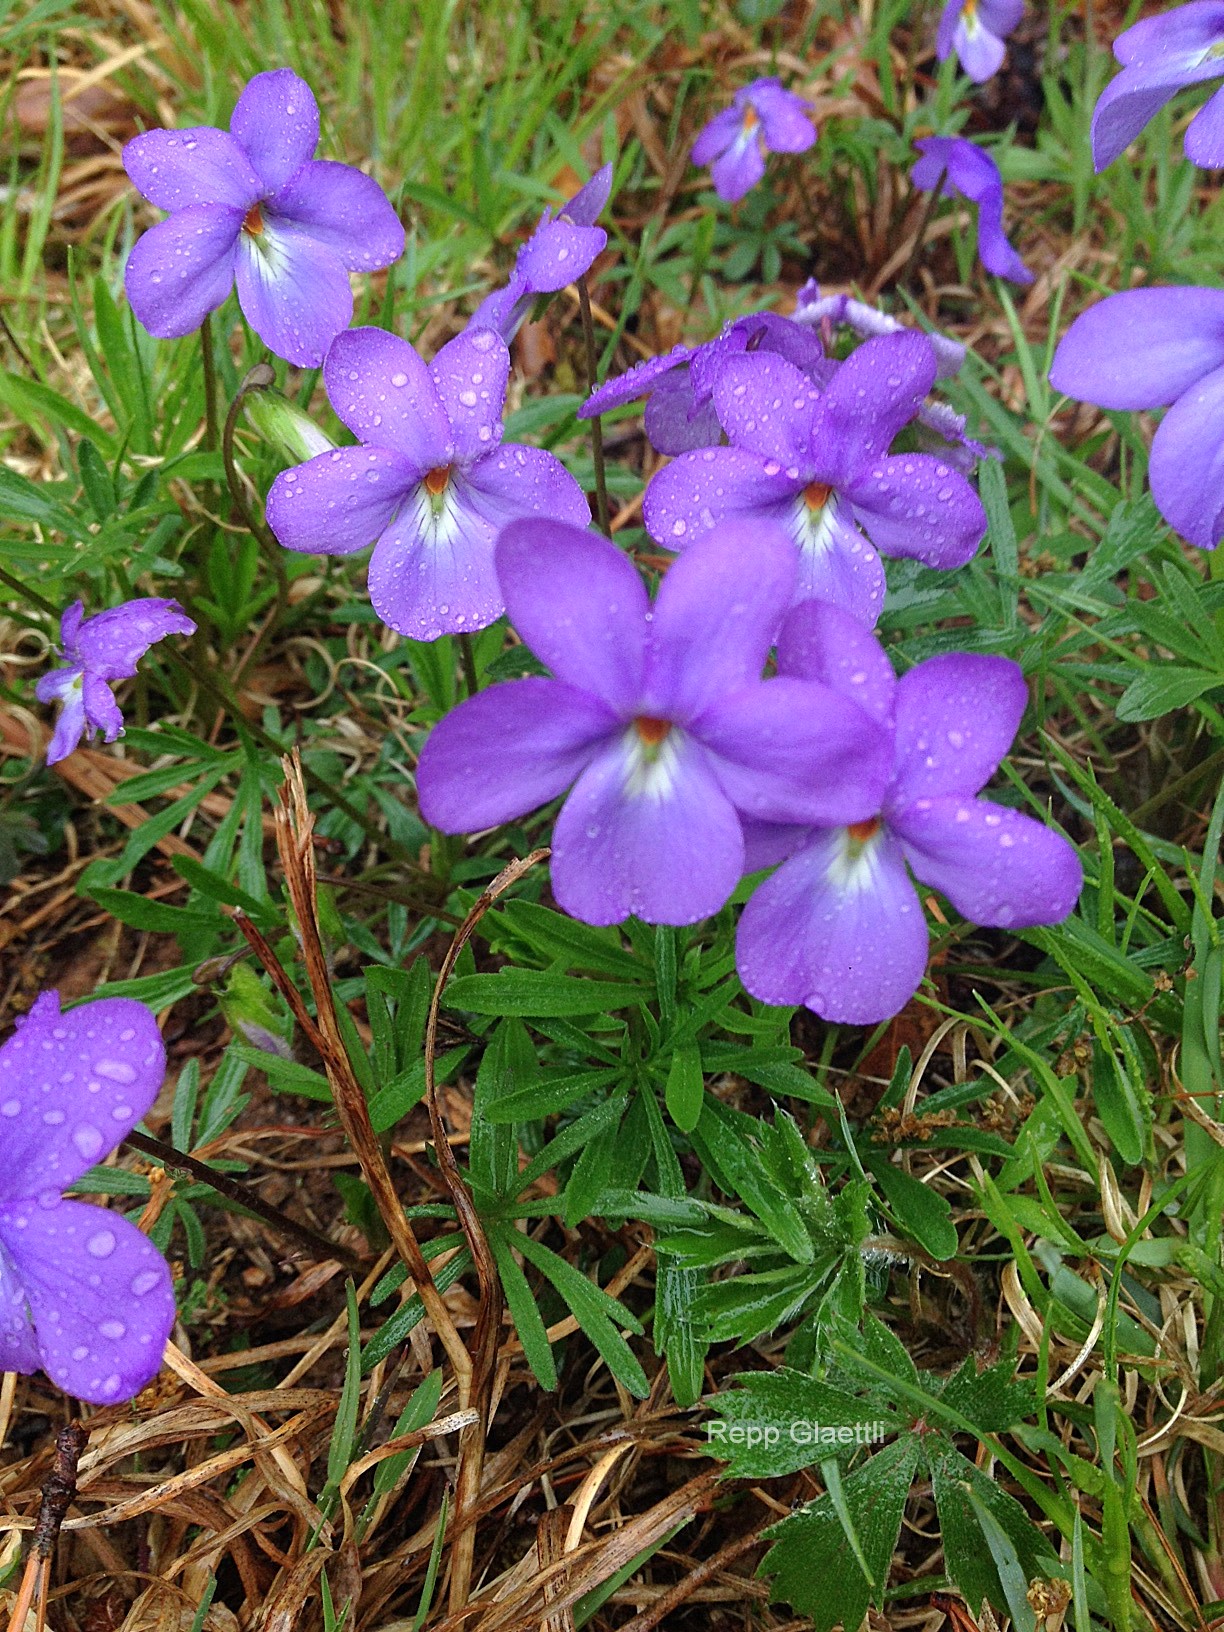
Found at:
<point>294,839</point>
<point>317,1245</point>
<point>58,1490</point>
<point>479,1387</point>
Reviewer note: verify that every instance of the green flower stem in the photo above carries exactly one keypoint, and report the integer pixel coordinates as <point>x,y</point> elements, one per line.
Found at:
<point>211,418</point>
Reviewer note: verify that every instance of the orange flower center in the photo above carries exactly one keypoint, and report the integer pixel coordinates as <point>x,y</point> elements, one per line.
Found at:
<point>860,832</point>
<point>816,495</point>
<point>253,221</point>
<point>652,731</point>
<point>751,118</point>
<point>436,480</point>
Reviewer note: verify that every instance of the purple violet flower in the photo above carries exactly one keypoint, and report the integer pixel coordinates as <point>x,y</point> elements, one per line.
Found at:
<point>1159,56</point>
<point>817,463</point>
<point>431,480</point>
<point>1148,348</point>
<point>975,30</point>
<point>83,1294</point>
<point>763,118</point>
<point>658,718</point>
<point>971,172</point>
<point>251,205</point>
<point>97,650</point>
<point>560,250</point>
<point>679,386</point>
<point>839,927</point>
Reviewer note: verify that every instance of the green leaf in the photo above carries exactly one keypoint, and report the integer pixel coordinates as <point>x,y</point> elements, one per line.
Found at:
<point>598,1314</point>
<point>1162,688</point>
<point>737,1164</point>
<point>685,1090</point>
<point>812,1560</point>
<point>524,1311</point>
<point>285,1076</point>
<point>421,1409</point>
<point>141,913</point>
<point>527,992</point>
<point>776,1422</point>
<point>919,1210</point>
<point>961,1492</point>
<point>552,1091</point>
<point>564,940</point>
<point>994,1400</point>
<point>344,1432</point>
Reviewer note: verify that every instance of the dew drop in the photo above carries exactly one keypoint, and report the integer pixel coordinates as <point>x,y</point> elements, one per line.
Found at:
<point>145,1282</point>
<point>101,1244</point>
<point>115,1070</point>
<point>114,1329</point>
<point>87,1140</point>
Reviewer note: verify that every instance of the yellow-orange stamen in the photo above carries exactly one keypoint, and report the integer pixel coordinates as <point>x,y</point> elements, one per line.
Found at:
<point>253,221</point>
<point>651,730</point>
<point>751,118</point>
<point>816,495</point>
<point>860,832</point>
<point>437,479</point>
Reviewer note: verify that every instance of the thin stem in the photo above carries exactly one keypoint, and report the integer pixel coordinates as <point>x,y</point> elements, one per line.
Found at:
<point>467,654</point>
<point>314,1243</point>
<point>211,417</point>
<point>597,451</point>
<point>258,378</point>
<point>921,232</point>
<point>31,595</point>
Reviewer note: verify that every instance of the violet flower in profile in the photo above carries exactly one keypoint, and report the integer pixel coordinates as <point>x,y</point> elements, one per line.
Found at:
<point>976,30</point>
<point>656,719</point>
<point>763,118</point>
<point>817,463</point>
<point>971,172</point>
<point>431,481</point>
<point>839,926</point>
<point>1152,348</point>
<point>83,1294</point>
<point>560,250</point>
<point>679,385</point>
<point>1160,55</point>
<point>97,650</point>
<point>252,206</point>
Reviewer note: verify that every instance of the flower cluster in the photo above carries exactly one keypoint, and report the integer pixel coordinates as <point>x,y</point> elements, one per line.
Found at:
<point>83,1294</point>
<point>686,768</point>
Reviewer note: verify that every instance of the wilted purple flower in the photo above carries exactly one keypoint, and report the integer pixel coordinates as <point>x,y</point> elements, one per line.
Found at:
<point>559,251</point>
<point>868,322</point>
<point>679,385</point>
<point>251,205</point>
<point>975,30</point>
<point>814,309</point>
<point>1146,348</point>
<point>1159,56</point>
<point>657,716</point>
<point>971,172</point>
<point>763,118</point>
<point>817,463</point>
<point>83,1294</point>
<point>431,481</point>
<point>839,927</point>
<point>97,650</point>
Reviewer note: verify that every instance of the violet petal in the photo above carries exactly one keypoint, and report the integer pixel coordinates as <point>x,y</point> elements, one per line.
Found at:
<point>844,936</point>
<point>657,840</point>
<point>996,866</point>
<point>384,393</point>
<point>336,205</point>
<point>507,751</point>
<point>199,165</point>
<point>1142,348</point>
<point>293,290</point>
<point>340,501</point>
<point>183,268</point>
<point>956,716</point>
<point>276,121</point>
